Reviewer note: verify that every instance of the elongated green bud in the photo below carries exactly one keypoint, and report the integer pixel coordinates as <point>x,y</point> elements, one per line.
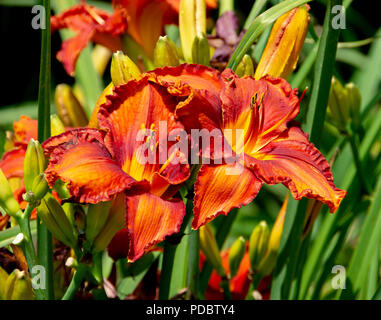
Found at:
<point>236,253</point>
<point>34,163</point>
<point>165,53</point>
<point>258,243</point>
<point>7,201</point>
<point>192,23</point>
<point>201,50</point>
<point>69,108</point>
<point>53,216</point>
<point>18,287</point>
<point>56,125</point>
<point>353,102</point>
<point>337,104</point>
<point>96,218</point>
<point>209,247</point>
<point>40,187</point>
<point>245,67</point>
<point>114,223</point>
<point>123,69</point>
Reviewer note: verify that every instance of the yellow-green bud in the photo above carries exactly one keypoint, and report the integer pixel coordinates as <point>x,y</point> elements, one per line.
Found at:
<point>69,108</point>
<point>354,102</point>
<point>258,243</point>
<point>7,201</point>
<point>245,67</point>
<point>201,50</point>
<point>56,125</point>
<point>34,163</point>
<point>192,23</point>
<point>337,104</point>
<point>165,53</point>
<point>53,216</point>
<point>123,69</point>
<point>115,222</point>
<point>40,187</point>
<point>236,253</point>
<point>209,247</point>
<point>18,287</point>
<point>96,218</point>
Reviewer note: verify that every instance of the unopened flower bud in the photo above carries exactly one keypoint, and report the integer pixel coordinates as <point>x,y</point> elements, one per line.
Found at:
<point>165,53</point>
<point>114,223</point>
<point>267,264</point>
<point>18,286</point>
<point>236,253</point>
<point>123,69</point>
<point>34,163</point>
<point>209,247</point>
<point>201,50</point>
<point>7,201</point>
<point>258,244</point>
<point>192,23</point>
<point>337,104</point>
<point>40,187</point>
<point>285,42</point>
<point>56,125</point>
<point>245,67</point>
<point>354,102</point>
<point>96,218</point>
<point>53,216</point>
<point>69,109</point>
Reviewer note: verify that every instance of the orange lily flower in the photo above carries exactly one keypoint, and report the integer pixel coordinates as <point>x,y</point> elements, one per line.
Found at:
<point>12,162</point>
<point>89,23</point>
<point>274,149</point>
<point>99,164</point>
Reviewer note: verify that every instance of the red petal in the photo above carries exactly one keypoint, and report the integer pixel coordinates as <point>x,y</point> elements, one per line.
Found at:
<point>219,189</point>
<point>119,245</point>
<point>292,160</point>
<point>149,220</point>
<point>86,165</point>
<point>12,163</point>
<point>133,106</point>
<point>25,129</point>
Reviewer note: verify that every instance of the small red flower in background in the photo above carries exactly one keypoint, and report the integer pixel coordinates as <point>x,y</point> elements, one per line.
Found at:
<point>12,162</point>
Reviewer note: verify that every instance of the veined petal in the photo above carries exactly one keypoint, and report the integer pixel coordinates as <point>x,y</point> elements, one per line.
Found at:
<point>12,163</point>
<point>262,108</point>
<point>292,160</point>
<point>149,220</point>
<point>219,189</point>
<point>25,129</point>
<point>79,158</point>
<point>134,106</point>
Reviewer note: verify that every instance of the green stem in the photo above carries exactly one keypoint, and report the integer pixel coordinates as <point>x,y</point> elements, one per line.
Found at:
<point>27,245</point>
<point>166,270</point>
<point>193,263</point>
<point>254,12</point>
<point>226,5</point>
<point>225,285</point>
<point>44,238</point>
<point>75,283</point>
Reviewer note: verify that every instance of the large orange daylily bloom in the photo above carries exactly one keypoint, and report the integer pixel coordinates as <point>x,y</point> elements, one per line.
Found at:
<point>274,148</point>
<point>144,20</point>
<point>99,164</point>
